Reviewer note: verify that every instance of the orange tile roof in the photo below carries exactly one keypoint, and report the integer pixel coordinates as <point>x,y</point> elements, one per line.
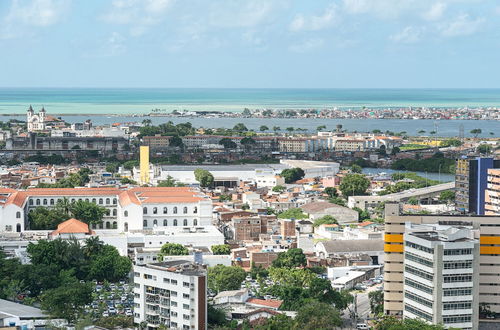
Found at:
<point>365,223</point>
<point>267,303</point>
<point>72,226</point>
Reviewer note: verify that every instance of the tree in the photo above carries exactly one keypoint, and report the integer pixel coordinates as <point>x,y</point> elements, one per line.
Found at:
<point>292,174</point>
<point>204,177</point>
<point>88,212</point>
<point>450,143</point>
<point>176,141</point>
<point>173,249</point>
<point>317,315</point>
<point>127,181</point>
<point>147,122</point>
<point>354,184</point>
<point>356,168</point>
<point>376,131</point>
<point>68,300</point>
<point>263,128</point>
<point>279,188</point>
<point>112,167</point>
<point>228,143</point>
<point>476,132</point>
<point>215,316</point>
<point>276,128</point>
<point>413,201</point>
<point>293,213</point>
<point>290,259</point>
<point>290,129</point>
<point>327,219</point>
<point>382,150</point>
<point>42,218</point>
<point>116,322</point>
<point>331,192</point>
<point>320,128</point>
<point>170,182</point>
<point>392,323</point>
<point>484,149</point>
<point>395,150</point>
<point>225,198</point>
<point>221,249</point>
<point>109,265</point>
<point>376,302</point>
<point>247,142</point>
<point>240,127</point>
<point>447,196</point>
<point>276,322</point>
<point>291,277</point>
<point>362,214</point>
<point>224,278</point>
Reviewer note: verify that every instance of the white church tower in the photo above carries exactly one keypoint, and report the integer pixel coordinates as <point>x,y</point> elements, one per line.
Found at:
<point>36,122</point>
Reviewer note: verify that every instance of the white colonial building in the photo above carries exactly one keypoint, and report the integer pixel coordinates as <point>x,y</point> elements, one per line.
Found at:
<point>135,209</point>
<point>36,121</point>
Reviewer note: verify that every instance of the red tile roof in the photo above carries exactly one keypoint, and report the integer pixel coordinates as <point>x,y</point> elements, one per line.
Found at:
<point>72,226</point>
<point>267,303</point>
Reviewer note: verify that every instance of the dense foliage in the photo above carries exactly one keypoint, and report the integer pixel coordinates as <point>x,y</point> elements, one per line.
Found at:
<point>224,278</point>
<point>222,249</point>
<point>293,213</point>
<point>290,259</point>
<point>327,219</point>
<point>354,184</point>
<point>292,174</point>
<point>173,249</point>
<point>204,177</point>
<point>433,164</point>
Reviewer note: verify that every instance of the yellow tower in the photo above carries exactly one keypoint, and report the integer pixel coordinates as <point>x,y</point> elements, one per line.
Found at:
<point>144,164</point>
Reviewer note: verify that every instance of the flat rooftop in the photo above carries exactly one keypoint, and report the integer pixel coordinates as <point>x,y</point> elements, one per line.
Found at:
<point>22,311</point>
<point>184,267</point>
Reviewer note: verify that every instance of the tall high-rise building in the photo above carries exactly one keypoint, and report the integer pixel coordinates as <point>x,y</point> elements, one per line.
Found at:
<point>394,258</point>
<point>441,275</point>
<point>144,164</point>
<point>471,180</point>
<point>492,195</point>
<point>171,293</point>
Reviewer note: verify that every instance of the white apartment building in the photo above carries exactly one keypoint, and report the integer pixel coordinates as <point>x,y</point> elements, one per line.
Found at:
<point>171,293</point>
<point>441,275</point>
<point>128,209</point>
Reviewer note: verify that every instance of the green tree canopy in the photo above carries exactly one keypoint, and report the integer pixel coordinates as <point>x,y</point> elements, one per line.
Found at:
<point>315,315</point>
<point>376,299</point>
<point>484,149</point>
<point>204,177</point>
<point>240,127</point>
<point>228,143</point>
<point>221,249</point>
<point>327,219</point>
<point>87,212</point>
<point>173,249</point>
<point>355,168</point>
<point>279,188</point>
<point>292,174</point>
<point>354,185</point>
<point>447,196</point>
<point>224,278</point>
<point>290,259</point>
<point>293,213</point>
<point>263,128</point>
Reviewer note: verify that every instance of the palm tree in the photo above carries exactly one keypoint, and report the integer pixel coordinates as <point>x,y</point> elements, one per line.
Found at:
<point>93,245</point>
<point>64,205</point>
<point>147,122</point>
<point>276,128</point>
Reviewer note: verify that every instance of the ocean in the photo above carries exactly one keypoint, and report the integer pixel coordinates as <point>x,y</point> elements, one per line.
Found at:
<point>130,105</point>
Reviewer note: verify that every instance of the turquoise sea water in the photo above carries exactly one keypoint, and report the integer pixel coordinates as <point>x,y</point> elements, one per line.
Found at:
<point>140,101</point>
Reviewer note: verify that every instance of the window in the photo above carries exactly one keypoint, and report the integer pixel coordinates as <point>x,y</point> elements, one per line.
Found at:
<point>174,282</point>
<point>115,225</point>
<point>185,210</point>
<point>457,305</point>
<point>165,222</point>
<point>52,201</point>
<point>125,213</point>
<point>195,210</point>
<point>185,306</point>
<point>173,303</point>
<point>144,210</point>
<point>155,210</point>
<point>418,286</point>
<point>165,210</point>
<point>195,222</point>
<point>458,264</point>
<point>94,200</point>
<point>175,210</point>
<point>185,222</point>
<point>108,201</point>
<point>155,222</point>
<point>457,292</point>
<point>31,202</point>
<point>114,212</point>
<point>457,278</point>
<point>45,201</point>
<point>420,247</point>
<point>175,222</point>
<point>173,293</point>
<point>18,215</point>
<point>185,296</point>
<point>114,201</point>
<point>145,223</point>
<point>166,280</point>
<point>455,252</point>
<point>418,299</point>
<point>185,316</point>
<point>37,202</point>
<point>108,225</point>
<point>100,201</point>
<point>419,273</point>
<point>415,258</point>
<point>185,284</point>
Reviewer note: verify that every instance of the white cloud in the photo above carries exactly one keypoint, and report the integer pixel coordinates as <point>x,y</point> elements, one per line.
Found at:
<point>139,14</point>
<point>250,13</point>
<point>409,35</point>
<point>463,25</point>
<point>380,8</point>
<point>314,23</point>
<point>435,12</point>
<point>307,45</point>
<point>23,14</point>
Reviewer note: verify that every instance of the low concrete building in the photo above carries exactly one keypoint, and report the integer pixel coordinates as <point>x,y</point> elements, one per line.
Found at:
<point>372,247</point>
<point>343,214</point>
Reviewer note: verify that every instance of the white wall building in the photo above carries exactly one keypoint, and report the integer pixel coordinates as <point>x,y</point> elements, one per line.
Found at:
<point>171,293</point>
<point>441,275</point>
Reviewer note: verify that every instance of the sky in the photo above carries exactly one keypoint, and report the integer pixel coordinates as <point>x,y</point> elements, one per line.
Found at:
<point>250,43</point>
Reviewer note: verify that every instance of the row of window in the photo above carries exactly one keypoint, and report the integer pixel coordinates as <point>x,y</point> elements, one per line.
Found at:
<point>174,223</point>
<point>418,286</point>
<point>457,305</point>
<point>457,278</point>
<point>52,201</point>
<point>418,312</point>
<point>418,299</point>
<point>458,265</point>
<point>457,292</point>
<point>457,319</point>
<point>419,247</point>
<point>420,260</point>
<point>154,210</point>
<point>456,252</point>
<point>419,273</point>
